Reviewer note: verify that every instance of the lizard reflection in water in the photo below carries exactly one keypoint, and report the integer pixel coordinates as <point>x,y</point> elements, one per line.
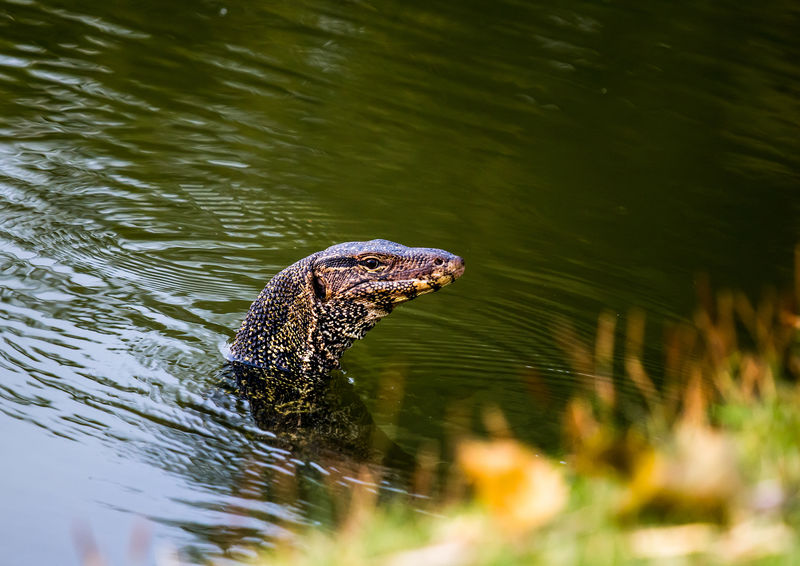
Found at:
<point>303,321</point>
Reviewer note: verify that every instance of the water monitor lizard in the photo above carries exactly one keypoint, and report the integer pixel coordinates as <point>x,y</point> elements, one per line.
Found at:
<point>312,311</point>
<point>302,322</point>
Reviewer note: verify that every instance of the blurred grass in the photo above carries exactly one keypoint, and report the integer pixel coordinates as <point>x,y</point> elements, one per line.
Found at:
<point>708,474</point>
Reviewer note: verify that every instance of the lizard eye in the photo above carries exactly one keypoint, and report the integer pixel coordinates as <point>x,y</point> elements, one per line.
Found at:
<point>370,263</point>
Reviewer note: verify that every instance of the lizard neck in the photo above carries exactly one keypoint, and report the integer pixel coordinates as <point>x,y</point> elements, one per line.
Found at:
<point>290,329</point>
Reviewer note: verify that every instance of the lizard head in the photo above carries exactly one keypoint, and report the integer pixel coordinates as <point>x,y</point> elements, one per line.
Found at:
<point>380,274</point>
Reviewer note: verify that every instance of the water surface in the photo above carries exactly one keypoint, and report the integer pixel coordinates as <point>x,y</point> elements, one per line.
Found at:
<point>160,162</point>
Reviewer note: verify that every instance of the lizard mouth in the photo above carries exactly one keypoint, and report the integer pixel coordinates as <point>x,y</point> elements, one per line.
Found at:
<point>413,283</point>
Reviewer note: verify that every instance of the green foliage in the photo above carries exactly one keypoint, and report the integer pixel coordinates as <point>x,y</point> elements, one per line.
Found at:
<point>761,525</point>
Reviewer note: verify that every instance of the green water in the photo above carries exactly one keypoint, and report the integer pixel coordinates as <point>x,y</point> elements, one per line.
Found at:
<point>159,162</point>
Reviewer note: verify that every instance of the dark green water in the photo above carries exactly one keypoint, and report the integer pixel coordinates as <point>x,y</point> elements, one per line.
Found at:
<point>160,161</point>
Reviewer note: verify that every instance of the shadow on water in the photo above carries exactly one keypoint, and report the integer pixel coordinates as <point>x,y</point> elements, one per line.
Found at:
<point>298,465</point>
<point>324,422</point>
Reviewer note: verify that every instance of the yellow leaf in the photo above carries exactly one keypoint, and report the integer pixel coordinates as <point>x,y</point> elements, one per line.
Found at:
<point>521,489</point>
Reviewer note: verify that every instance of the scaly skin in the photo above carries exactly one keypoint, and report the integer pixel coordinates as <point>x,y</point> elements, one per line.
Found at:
<point>312,311</point>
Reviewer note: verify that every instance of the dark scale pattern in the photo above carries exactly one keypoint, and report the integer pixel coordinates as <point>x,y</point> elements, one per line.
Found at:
<point>312,311</point>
